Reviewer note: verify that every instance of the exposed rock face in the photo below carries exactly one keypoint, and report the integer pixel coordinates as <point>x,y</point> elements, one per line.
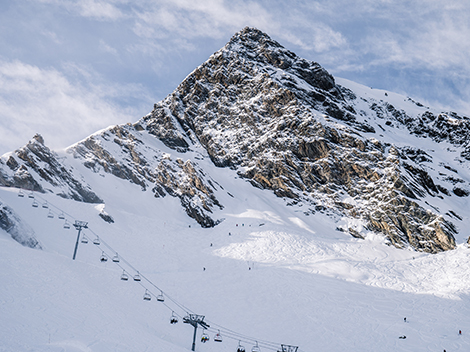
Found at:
<point>35,167</point>
<point>262,110</point>
<point>285,125</point>
<point>121,151</point>
<point>18,229</point>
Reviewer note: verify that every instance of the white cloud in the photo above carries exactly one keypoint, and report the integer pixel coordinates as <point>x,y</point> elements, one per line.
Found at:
<point>97,9</point>
<point>191,19</point>
<point>63,108</point>
<point>107,48</point>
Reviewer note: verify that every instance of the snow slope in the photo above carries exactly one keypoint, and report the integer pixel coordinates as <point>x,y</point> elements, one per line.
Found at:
<point>272,275</point>
<point>268,274</point>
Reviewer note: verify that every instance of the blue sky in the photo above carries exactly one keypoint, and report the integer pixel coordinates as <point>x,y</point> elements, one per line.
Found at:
<point>69,68</point>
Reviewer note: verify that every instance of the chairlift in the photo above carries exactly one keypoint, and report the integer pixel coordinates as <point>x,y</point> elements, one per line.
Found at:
<point>160,297</point>
<point>256,348</point>
<point>116,258</point>
<point>50,214</point>
<point>20,194</point>
<point>66,225</point>
<point>97,241</point>
<point>103,258</point>
<point>204,337</point>
<point>147,296</point>
<point>137,277</point>
<point>173,318</point>
<point>84,239</point>
<point>240,348</point>
<point>44,205</point>
<point>124,276</point>
<point>31,195</point>
<point>218,337</point>
<point>35,204</point>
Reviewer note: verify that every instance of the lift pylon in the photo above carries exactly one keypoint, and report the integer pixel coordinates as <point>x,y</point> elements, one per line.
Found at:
<point>195,320</point>
<point>289,348</point>
<point>79,225</point>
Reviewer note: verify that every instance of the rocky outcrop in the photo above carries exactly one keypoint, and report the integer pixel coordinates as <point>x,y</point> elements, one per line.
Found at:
<point>120,151</point>
<point>17,228</point>
<point>258,108</point>
<point>285,125</point>
<point>35,167</point>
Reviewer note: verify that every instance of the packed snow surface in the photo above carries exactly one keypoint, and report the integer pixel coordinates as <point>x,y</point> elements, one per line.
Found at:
<point>267,275</point>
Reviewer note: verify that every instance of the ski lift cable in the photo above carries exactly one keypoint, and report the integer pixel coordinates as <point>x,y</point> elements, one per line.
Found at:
<point>104,243</point>
<point>228,333</point>
<point>142,276</point>
<point>36,195</point>
<point>244,337</point>
<point>269,346</point>
<point>238,337</point>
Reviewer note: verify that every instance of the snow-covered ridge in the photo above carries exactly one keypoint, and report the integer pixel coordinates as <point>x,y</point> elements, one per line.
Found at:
<point>260,196</point>
<point>381,160</point>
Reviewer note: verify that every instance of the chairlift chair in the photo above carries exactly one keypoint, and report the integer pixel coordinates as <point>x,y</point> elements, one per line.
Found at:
<point>116,258</point>
<point>66,225</point>
<point>255,348</point>
<point>160,297</point>
<point>137,277</point>
<point>124,276</point>
<point>44,205</point>
<point>50,215</point>
<point>61,216</point>
<point>147,296</point>
<point>97,241</point>
<point>103,257</point>
<point>35,204</point>
<point>84,239</point>
<point>218,337</point>
<point>173,318</point>
<point>240,348</point>
<point>20,194</point>
<point>204,337</point>
<point>31,195</point>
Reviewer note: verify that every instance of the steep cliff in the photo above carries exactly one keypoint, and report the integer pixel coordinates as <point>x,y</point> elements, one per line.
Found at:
<point>284,124</point>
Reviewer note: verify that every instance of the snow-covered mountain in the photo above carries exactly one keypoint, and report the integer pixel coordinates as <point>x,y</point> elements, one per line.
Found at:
<point>283,123</point>
<point>261,193</point>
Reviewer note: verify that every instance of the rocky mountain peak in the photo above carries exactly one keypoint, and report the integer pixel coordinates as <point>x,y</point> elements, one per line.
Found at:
<point>253,44</point>
<point>285,126</point>
<point>37,137</point>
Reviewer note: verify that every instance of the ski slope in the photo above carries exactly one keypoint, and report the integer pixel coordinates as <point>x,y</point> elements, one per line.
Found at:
<point>267,274</point>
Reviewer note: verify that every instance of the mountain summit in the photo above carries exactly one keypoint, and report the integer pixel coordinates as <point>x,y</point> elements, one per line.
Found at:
<point>372,160</point>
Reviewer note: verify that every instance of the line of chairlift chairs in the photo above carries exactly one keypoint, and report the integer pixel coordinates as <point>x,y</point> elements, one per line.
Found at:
<point>136,277</point>
<point>218,338</point>
<point>50,214</point>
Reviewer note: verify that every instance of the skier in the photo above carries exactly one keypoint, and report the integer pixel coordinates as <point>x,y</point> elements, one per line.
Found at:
<point>404,319</point>
<point>460,332</point>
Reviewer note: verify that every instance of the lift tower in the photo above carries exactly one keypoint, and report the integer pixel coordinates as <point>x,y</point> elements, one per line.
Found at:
<point>79,225</point>
<point>195,320</point>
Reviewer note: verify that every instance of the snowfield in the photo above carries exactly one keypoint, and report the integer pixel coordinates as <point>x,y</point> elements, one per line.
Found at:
<point>275,273</point>
<point>267,275</point>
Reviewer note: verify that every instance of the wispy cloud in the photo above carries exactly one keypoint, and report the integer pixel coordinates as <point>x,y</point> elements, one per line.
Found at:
<point>97,9</point>
<point>52,50</point>
<point>61,108</point>
<point>193,19</point>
